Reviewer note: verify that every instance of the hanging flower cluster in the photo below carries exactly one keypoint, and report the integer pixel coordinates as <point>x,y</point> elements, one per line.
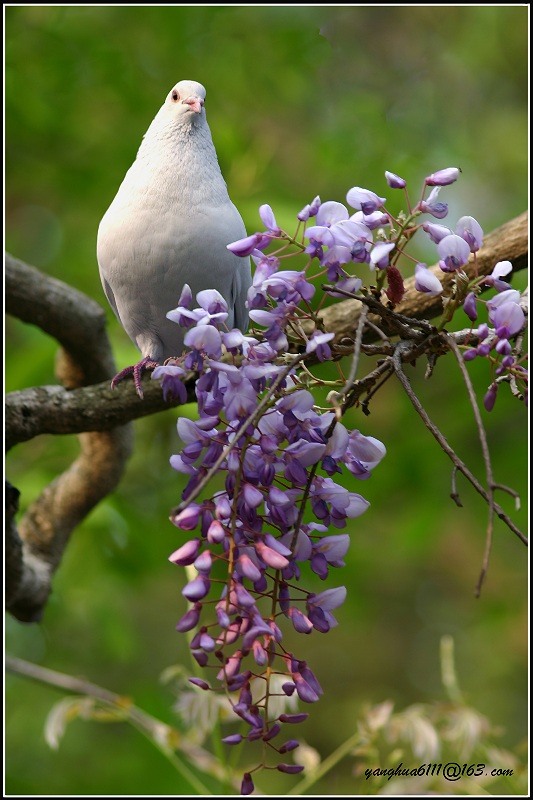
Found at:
<point>281,510</point>
<point>274,515</point>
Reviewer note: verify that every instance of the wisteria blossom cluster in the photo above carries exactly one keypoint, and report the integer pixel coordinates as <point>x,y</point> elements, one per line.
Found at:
<point>273,526</point>
<point>507,318</point>
<point>505,312</point>
<point>274,515</point>
<point>340,240</point>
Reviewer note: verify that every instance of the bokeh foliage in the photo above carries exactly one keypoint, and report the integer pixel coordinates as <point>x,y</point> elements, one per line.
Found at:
<point>301,101</point>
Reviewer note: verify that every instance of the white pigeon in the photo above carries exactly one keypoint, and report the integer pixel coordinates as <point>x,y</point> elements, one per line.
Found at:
<point>168,226</point>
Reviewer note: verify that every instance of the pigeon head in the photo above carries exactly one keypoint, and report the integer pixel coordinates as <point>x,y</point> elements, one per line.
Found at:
<point>185,101</point>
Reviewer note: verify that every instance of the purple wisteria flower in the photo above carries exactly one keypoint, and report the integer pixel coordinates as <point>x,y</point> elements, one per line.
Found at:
<point>379,255</point>
<point>469,306</point>
<point>184,316</point>
<point>212,308</point>
<point>247,785</point>
<point>318,344</point>
<point>506,314</point>
<point>213,304</point>
<point>426,281</point>
<point>330,213</point>
<point>245,247</point>
<point>367,451</point>
<point>454,253</point>
<point>309,210</point>
<point>470,230</point>
<point>351,285</point>
<point>319,237</point>
<point>377,219</point>
<point>206,339</point>
<point>364,200</point>
<point>356,236</point>
<point>320,606</point>
<point>490,397</point>
<point>171,382</point>
<point>436,232</point>
<point>501,269</point>
<point>269,220</point>
<point>433,206</point>
<point>185,296</point>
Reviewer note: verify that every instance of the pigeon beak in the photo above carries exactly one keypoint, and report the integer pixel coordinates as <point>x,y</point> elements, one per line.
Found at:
<point>194,102</point>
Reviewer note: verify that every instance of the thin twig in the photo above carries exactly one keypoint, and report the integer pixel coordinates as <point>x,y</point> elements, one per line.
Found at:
<point>376,388</point>
<point>165,737</point>
<point>454,493</point>
<point>67,683</point>
<point>356,355</point>
<point>514,494</point>
<point>486,458</point>
<point>461,466</point>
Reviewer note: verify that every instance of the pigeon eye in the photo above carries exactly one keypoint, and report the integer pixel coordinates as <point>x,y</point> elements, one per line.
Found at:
<point>175,96</point>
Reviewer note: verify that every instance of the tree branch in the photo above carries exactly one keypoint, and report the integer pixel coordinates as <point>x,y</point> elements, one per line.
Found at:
<point>52,409</point>
<point>86,405</point>
<point>39,299</point>
<point>34,551</point>
<point>76,321</point>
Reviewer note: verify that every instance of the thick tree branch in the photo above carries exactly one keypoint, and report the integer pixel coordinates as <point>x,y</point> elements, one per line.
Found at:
<point>69,316</point>
<point>52,409</point>
<point>35,550</point>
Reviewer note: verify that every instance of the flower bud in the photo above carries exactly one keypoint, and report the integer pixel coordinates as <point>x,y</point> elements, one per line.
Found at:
<point>394,181</point>
<point>443,177</point>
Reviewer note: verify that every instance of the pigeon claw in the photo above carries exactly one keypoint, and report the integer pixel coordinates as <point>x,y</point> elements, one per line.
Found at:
<point>136,370</point>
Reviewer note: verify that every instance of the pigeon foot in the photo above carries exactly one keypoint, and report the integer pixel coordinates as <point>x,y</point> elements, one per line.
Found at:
<point>136,370</point>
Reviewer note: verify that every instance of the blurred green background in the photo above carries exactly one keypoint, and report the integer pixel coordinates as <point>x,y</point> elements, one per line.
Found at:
<point>301,101</point>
